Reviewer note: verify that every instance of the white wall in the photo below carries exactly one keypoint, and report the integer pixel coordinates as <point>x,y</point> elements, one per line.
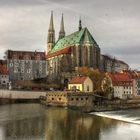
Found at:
<point>122,91</point>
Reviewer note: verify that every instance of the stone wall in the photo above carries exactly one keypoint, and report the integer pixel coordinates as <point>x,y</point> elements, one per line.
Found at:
<point>56,98</point>
<point>70,99</point>
<point>84,101</point>
<point>11,94</point>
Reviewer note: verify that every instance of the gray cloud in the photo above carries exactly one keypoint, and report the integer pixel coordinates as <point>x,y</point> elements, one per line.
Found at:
<point>115,24</point>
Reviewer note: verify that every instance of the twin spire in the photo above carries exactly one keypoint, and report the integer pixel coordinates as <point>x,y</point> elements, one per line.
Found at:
<point>51,31</point>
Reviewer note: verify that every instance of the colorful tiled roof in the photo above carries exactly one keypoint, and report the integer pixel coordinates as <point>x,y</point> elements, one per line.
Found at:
<point>77,80</point>
<point>76,38</point>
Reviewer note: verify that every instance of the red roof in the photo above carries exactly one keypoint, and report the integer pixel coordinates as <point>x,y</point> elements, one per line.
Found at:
<point>25,55</point>
<point>63,51</point>
<point>120,79</point>
<point>3,69</point>
<point>77,80</point>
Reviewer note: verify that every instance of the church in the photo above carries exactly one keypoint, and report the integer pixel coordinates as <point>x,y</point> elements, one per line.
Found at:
<point>70,52</point>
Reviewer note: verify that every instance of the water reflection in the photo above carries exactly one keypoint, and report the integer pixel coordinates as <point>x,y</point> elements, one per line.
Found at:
<point>36,122</point>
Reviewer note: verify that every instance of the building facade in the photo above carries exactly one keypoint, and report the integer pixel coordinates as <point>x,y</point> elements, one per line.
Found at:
<point>122,85</point>
<point>64,56</point>
<point>109,64</point>
<point>4,75</point>
<point>25,65</point>
<point>81,83</point>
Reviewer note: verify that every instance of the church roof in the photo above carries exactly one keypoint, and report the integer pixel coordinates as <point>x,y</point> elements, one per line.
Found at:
<point>82,36</point>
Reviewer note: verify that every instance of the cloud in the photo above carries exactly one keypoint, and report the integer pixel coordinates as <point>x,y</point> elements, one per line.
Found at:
<point>115,25</point>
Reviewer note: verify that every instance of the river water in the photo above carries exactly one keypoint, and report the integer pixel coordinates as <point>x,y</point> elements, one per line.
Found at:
<point>37,122</point>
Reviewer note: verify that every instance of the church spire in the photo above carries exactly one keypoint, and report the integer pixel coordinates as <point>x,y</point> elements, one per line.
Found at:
<point>62,30</point>
<point>80,24</point>
<point>51,34</point>
<point>51,27</point>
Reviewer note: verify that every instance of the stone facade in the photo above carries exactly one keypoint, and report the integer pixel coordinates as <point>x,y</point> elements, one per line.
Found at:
<point>70,99</point>
<point>25,65</point>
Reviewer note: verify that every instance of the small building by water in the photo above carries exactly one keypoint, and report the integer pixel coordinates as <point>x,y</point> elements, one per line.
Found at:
<point>81,83</point>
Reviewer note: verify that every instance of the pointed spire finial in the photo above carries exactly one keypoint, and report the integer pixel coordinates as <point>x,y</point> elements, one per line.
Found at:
<point>80,24</point>
<point>62,30</point>
<point>51,34</point>
<point>51,27</point>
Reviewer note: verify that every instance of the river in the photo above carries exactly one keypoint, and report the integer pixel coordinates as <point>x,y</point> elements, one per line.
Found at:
<point>37,122</point>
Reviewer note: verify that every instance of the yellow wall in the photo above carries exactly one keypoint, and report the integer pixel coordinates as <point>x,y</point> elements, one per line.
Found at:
<point>78,86</point>
<point>83,87</point>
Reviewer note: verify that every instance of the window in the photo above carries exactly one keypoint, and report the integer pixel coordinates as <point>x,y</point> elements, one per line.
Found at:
<point>11,64</point>
<point>87,88</point>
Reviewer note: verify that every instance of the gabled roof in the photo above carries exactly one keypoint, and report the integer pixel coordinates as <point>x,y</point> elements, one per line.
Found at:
<point>120,79</point>
<point>78,80</point>
<point>82,36</point>
<point>119,76</point>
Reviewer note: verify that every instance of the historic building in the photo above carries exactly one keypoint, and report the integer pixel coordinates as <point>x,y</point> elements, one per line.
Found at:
<point>109,64</point>
<point>65,55</point>
<point>26,65</point>
<point>81,83</point>
<point>125,84</point>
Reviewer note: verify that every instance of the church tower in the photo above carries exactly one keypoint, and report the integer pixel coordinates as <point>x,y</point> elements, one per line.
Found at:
<point>51,34</point>
<point>62,31</point>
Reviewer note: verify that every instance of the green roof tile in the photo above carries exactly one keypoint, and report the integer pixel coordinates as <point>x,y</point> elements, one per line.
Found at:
<point>75,38</point>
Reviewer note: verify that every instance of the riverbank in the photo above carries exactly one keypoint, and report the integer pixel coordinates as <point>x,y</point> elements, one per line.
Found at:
<point>14,96</point>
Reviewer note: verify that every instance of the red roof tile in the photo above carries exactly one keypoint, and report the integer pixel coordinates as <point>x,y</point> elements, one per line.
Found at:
<point>77,80</point>
<point>63,51</point>
<point>120,79</point>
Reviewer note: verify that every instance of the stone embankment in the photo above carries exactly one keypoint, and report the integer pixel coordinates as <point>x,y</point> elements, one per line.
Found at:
<point>86,102</point>
<point>12,96</point>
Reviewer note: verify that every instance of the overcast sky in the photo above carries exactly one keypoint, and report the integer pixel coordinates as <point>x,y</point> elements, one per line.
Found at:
<point>114,24</point>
